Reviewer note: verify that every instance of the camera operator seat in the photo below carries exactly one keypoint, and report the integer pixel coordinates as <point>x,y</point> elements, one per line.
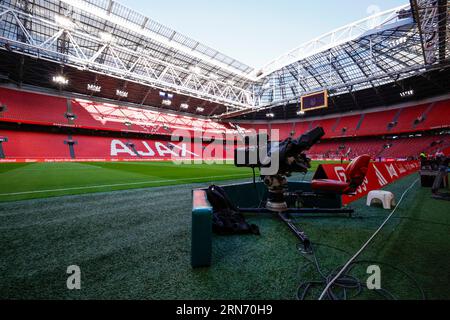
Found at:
<point>355,174</point>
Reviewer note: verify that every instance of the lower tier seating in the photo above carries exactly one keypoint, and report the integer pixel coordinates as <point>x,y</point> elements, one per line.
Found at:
<point>22,146</point>
<point>411,146</point>
<point>379,148</point>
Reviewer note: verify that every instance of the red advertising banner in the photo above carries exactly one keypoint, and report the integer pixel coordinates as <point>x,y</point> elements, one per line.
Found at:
<point>380,175</point>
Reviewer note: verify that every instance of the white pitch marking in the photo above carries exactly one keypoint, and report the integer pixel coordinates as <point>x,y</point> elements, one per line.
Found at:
<point>117,185</point>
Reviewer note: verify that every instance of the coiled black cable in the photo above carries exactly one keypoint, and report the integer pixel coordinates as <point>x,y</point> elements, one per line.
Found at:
<point>347,286</point>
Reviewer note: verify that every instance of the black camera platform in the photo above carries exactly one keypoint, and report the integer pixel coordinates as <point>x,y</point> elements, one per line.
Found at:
<point>288,217</point>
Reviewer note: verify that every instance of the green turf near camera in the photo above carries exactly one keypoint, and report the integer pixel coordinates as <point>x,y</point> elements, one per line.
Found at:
<point>136,243</point>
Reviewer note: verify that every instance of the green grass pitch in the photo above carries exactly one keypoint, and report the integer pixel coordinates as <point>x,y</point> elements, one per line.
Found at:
<point>42,180</point>
<point>127,225</point>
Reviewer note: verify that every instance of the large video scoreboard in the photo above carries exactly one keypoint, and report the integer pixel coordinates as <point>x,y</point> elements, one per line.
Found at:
<point>314,101</point>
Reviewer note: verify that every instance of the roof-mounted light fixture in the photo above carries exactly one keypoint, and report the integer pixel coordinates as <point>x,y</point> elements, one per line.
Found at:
<point>94,88</point>
<point>122,93</point>
<point>166,98</point>
<point>60,80</point>
<point>407,93</point>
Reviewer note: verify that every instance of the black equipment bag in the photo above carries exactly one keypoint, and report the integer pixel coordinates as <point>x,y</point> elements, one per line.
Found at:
<point>227,219</point>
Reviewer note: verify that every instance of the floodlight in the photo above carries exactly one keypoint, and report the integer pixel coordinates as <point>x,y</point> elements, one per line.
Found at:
<point>165,95</point>
<point>122,93</point>
<point>61,80</point>
<point>408,93</point>
<point>94,88</point>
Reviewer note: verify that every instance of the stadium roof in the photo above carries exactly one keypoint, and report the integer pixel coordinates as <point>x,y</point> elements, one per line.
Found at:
<point>106,38</point>
<point>387,47</point>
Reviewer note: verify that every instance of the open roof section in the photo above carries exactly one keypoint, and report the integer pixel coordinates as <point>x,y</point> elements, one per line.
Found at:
<point>368,53</point>
<point>335,38</point>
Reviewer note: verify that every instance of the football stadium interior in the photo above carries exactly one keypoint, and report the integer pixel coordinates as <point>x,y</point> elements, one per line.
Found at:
<point>98,101</point>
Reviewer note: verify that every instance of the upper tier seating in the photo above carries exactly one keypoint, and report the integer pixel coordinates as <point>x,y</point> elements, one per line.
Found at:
<point>346,126</point>
<point>437,117</point>
<point>285,130</point>
<point>327,124</point>
<point>34,108</point>
<point>376,123</point>
<point>112,117</point>
<point>98,116</point>
<point>408,117</point>
<point>395,121</point>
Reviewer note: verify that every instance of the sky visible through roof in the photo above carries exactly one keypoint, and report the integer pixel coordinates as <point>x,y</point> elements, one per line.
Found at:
<point>257,31</point>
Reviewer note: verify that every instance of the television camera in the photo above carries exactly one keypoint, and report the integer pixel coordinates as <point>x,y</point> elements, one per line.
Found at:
<point>277,162</point>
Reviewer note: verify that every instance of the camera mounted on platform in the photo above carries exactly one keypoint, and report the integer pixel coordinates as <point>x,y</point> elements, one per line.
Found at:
<point>277,161</point>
